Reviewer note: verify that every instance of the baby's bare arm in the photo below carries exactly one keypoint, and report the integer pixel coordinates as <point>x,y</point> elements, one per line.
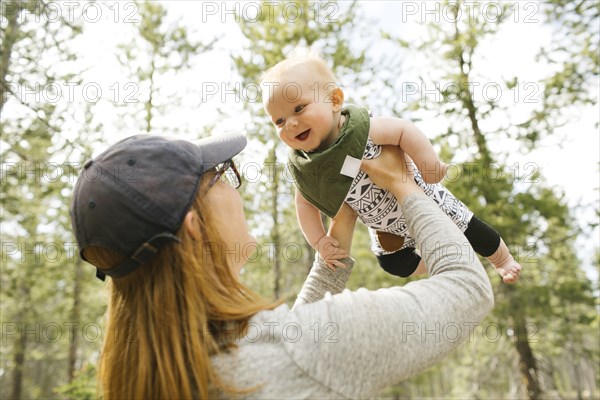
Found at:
<point>309,219</point>
<point>406,135</point>
<point>327,245</point>
<point>342,227</point>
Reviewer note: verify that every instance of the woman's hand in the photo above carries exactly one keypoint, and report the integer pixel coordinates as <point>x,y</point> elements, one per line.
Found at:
<point>390,171</point>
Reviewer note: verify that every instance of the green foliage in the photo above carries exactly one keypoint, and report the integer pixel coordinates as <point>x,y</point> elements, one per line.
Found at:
<point>51,303</point>
<point>553,297</point>
<point>159,49</point>
<point>82,387</point>
<point>553,307</point>
<point>34,194</point>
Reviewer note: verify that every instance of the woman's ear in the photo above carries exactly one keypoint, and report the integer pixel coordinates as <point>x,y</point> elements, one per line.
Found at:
<point>190,222</point>
<point>337,99</point>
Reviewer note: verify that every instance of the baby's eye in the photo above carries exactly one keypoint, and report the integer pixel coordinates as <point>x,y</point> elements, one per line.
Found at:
<point>279,122</point>
<point>299,108</point>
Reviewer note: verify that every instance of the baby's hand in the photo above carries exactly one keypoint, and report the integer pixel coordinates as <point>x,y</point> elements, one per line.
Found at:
<point>330,252</point>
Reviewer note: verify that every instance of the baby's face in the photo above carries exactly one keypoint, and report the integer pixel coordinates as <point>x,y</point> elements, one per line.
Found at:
<point>301,111</point>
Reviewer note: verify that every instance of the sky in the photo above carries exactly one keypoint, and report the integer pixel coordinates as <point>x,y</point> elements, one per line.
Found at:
<point>568,161</point>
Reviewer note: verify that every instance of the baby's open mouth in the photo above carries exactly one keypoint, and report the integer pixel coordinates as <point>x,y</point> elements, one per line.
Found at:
<point>303,135</point>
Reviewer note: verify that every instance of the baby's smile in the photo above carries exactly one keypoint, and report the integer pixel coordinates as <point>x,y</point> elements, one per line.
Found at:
<point>303,135</point>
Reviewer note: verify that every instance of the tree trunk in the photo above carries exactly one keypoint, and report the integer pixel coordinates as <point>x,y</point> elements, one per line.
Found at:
<point>466,98</point>
<point>10,37</point>
<point>480,139</point>
<point>275,216</point>
<point>19,360</point>
<point>527,363</point>
<point>21,342</point>
<point>73,345</point>
<point>149,105</point>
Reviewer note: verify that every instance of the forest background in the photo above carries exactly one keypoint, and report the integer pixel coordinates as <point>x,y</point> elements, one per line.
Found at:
<point>507,92</point>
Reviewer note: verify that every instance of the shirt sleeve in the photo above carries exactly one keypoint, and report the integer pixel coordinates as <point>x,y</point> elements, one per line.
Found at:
<point>322,280</point>
<point>358,343</point>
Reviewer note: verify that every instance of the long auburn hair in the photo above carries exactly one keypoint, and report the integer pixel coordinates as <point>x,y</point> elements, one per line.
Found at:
<point>167,318</point>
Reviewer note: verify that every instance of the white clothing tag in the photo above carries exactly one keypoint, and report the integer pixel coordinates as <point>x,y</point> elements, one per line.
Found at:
<point>351,167</point>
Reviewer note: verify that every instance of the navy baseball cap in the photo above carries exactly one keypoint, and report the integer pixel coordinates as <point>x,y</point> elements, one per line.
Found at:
<point>133,197</point>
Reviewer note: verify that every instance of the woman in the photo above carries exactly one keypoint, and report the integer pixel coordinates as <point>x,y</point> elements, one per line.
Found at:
<point>155,215</point>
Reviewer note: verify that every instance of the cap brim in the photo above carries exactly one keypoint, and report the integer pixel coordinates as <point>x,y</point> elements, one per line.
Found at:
<point>220,148</point>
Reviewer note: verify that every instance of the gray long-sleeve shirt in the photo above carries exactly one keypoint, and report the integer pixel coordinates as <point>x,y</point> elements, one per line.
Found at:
<point>336,343</point>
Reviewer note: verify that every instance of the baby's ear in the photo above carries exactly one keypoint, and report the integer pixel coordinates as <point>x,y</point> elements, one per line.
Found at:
<point>337,99</point>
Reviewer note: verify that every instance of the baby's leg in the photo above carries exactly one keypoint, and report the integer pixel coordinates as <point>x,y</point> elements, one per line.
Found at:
<point>487,242</point>
<point>403,263</point>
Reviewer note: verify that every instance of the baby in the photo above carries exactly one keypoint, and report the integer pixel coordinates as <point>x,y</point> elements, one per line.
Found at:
<point>327,141</point>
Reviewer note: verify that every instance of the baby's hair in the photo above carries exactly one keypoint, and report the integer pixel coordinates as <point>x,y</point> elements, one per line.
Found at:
<point>323,74</point>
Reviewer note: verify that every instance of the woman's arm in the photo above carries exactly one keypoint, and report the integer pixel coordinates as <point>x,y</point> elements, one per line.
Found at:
<point>322,279</point>
<point>369,340</point>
